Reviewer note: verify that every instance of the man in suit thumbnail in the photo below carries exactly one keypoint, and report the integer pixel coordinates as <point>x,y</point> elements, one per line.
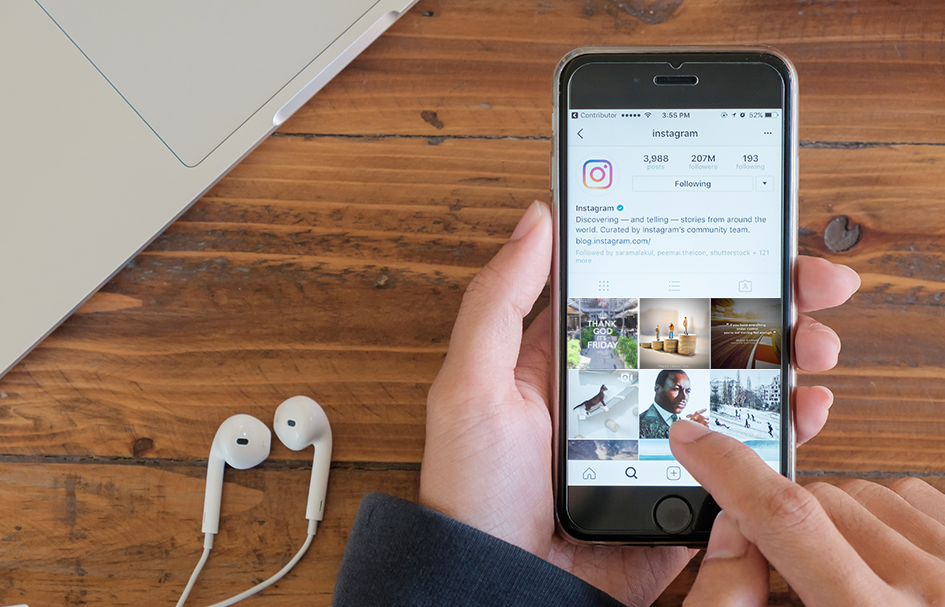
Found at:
<point>671,395</point>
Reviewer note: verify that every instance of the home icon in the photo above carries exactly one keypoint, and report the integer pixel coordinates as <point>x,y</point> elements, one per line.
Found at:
<point>589,475</point>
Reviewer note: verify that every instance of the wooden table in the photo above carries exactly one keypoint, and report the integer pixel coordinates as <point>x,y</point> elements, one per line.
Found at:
<point>332,261</point>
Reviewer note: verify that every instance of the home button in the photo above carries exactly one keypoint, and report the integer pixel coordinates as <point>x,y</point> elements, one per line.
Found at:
<point>673,514</point>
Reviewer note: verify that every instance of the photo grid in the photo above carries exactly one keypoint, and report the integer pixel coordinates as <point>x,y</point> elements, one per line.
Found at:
<point>635,366</point>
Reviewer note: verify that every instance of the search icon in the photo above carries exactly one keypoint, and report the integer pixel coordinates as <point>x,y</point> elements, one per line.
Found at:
<point>631,472</point>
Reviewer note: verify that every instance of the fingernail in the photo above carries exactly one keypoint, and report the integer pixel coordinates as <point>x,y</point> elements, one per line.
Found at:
<point>726,541</point>
<point>853,277</point>
<point>817,327</point>
<point>685,431</point>
<point>528,221</point>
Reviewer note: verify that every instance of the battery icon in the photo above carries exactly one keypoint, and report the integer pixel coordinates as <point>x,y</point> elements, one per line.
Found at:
<point>767,114</point>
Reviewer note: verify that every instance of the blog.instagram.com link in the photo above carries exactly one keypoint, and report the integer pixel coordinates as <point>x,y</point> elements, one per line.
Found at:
<point>598,174</point>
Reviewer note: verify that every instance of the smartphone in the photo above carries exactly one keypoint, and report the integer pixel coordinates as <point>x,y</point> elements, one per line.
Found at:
<point>674,186</point>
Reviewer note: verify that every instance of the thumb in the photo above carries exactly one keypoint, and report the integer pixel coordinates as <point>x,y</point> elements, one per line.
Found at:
<point>485,343</point>
<point>733,572</point>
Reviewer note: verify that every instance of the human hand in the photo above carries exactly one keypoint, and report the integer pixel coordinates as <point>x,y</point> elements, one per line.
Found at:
<point>487,460</point>
<point>861,544</point>
<point>699,418</point>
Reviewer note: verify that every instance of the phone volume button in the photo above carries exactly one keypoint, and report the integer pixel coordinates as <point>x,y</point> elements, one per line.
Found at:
<point>551,172</point>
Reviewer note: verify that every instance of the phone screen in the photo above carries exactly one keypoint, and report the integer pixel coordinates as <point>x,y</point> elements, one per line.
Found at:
<point>673,278</point>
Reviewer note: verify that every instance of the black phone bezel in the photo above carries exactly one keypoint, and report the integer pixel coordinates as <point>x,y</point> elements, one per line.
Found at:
<point>613,507</point>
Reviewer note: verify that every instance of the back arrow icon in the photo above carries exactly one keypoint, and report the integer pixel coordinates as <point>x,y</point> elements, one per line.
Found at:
<point>579,134</point>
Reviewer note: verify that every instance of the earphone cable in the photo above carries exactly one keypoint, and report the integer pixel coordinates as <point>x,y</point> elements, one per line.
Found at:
<point>207,545</point>
<point>312,525</point>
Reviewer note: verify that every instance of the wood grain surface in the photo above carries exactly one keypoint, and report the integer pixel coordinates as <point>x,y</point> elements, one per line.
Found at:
<point>332,261</point>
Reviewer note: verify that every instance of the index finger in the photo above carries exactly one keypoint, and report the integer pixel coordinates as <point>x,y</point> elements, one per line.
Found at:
<point>822,284</point>
<point>781,518</point>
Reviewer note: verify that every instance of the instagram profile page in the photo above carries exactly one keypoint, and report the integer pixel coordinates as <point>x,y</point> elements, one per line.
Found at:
<point>674,287</point>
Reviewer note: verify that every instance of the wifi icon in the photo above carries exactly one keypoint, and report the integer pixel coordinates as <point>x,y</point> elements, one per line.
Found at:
<point>647,114</point>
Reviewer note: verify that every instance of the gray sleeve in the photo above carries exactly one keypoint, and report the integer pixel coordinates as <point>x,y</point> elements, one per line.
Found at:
<point>400,553</point>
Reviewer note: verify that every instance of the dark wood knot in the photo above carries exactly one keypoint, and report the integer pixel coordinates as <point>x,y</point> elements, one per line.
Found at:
<point>142,446</point>
<point>839,236</point>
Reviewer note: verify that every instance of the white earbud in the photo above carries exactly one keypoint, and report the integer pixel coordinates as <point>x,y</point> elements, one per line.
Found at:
<point>242,442</point>
<point>301,422</point>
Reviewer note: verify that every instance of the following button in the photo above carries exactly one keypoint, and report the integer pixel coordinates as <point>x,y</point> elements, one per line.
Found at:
<point>714,183</point>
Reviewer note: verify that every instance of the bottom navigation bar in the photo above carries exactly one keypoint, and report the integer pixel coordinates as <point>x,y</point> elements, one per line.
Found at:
<point>633,473</point>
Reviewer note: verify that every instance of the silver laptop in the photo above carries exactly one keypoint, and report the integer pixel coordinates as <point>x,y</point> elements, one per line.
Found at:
<point>116,116</point>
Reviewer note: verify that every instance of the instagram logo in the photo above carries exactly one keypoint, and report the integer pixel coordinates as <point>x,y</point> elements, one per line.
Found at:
<point>598,174</point>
